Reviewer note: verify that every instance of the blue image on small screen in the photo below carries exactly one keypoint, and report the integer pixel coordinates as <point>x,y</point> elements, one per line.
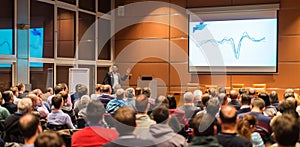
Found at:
<point>36,44</point>
<point>6,41</point>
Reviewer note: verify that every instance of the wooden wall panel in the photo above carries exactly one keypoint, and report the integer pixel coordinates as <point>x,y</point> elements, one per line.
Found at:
<point>155,27</point>
<point>179,74</point>
<point>146,8</point>
<point>289,48</point>
<point>220,80</point>
<point>135,51</point>
<point>159,71</point>
<point>290,4</point>
<point>179,26</point>
<point>289,22</point>
<point>248,80</point>
<point>251,2</point>
<point>179,50</point>
<point>211,3</point>
<point>287,77</point>
<point>180,3</point>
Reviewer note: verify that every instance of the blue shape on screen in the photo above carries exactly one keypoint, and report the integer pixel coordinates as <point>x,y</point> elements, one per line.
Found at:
<point>236,49</point>
<point>6,44</point>
<point>36,45</point>
<point>199,26</point>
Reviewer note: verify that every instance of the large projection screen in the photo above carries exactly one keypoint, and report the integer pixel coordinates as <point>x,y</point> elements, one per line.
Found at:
<point>234,42</point>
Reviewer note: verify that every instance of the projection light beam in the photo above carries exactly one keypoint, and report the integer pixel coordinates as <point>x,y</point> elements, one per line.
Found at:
<point>230,41</point>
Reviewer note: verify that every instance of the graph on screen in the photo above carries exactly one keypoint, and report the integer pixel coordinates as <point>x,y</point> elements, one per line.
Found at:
<point>239,43</point>
<point>236,48</point>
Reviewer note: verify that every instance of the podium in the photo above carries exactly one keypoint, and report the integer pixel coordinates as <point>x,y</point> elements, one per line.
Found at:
<point>152,84</point>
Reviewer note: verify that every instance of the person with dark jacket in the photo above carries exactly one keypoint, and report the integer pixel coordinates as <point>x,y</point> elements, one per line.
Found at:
<point>204,131</point>
<point>228,136</point>
<point>11,123</point>
<point>114,78</point>
<point>9,102</point>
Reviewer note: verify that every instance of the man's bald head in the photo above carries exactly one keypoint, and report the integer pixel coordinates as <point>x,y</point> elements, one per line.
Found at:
<point>29,124</point>
<point>233,94</point>
<point>228,114</point>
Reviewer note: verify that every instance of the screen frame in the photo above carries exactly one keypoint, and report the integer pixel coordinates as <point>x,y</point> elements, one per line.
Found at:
<point>225,68</point>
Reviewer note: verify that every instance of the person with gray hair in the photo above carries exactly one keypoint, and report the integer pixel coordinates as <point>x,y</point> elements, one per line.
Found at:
<point>197,99</point>
<point>80,104</point>
<point>11,123</point>
<point>188,107</point>
<point>118,102</point>
<point>84,101</point>
<point>130,97</point>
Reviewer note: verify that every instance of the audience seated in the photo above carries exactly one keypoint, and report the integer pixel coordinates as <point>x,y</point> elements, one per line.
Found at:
<point>38,106</point>
<point>125,122</point>
<point>188,106</point>
<point>245,107</point>
<point>74,96</point>
<point>205,97</point>
<point>9,102</point>
<point>98,92</point>
<point>15,92</point>
<point>197,99</point>
<point>48,93</point>
<point>270,110</point>
<point>204,131</point>
<point>106,96</point>
<point>94,134</point>
<point>40,94</point>
<point>161,133</point>
<point>130,98</point>
<point>30,128</point>
<point>114,104</point>
<point>67,108</point>
<point>274,99</point>
<point>286,131</point>
<point>234,99</point>
<point>242,91</point>
<point>212,92</point>
<point>49,139</point>
<point>142,119</point>
<point>246,127</point>
<point>288,107</point>
<point>82,90</point>
<point>12,122</point>
<point>66,89</point>
<point>252,93</point>
<point>57,89</point>
<point>228,136</point>
<point>4,113</point>
<point>138,91</point>
<point>263,126</point>
<point>223,98</point>
<point>178,114</point>
<point>57,119</point>
<point>85,100</point>
<point>222,90</point>
<point>21,89</point>
<point>131,113</point>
